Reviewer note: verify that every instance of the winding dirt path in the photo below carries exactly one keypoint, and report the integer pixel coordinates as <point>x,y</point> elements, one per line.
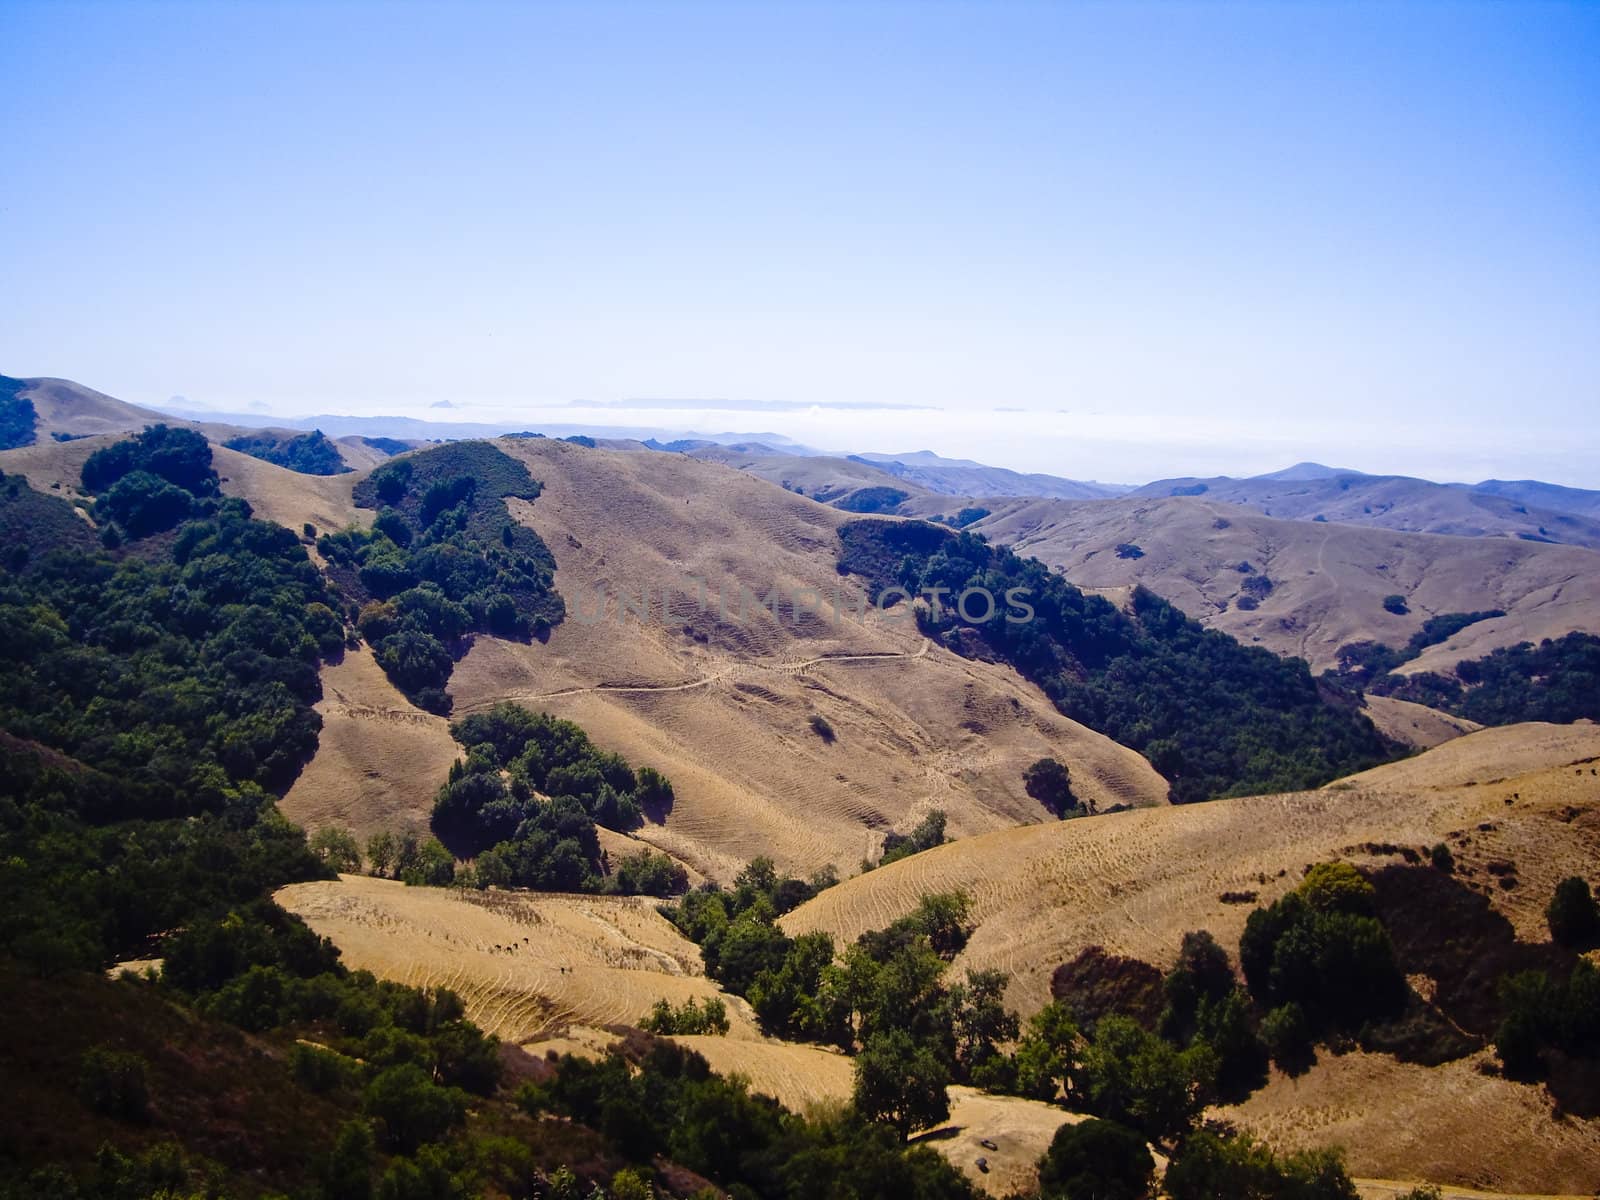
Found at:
<point>794,668</point>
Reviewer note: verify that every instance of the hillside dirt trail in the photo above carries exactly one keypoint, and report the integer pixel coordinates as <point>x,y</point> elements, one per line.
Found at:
<point>730,668</point>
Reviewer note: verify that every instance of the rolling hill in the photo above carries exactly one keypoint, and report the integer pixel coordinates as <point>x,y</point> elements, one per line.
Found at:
<point>723,707</point>
<point>1309,492</point>
<point>68,411</point>
<point>1328,580</point>
<point>963,477</point>
<point>824,478</point>
<point>1542,495</point>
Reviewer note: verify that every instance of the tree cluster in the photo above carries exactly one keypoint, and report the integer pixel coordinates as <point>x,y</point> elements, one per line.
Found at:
<point>928,833</point>
<point>18,419</point>
<point>1545,1015</point>
<point>687,1019</point>
<point>308,453</point>
<point>1049,782</point>
<point>149,483</point>
<point>181,682</point>
<point>665,1100</point>
<point>1362,662</point>
<point>1320,961</point>
<point>442,560</point>
<point>1558,681</point>
<point>526,799</point>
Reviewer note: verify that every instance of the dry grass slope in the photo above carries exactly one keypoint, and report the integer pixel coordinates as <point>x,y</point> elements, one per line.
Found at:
<point>1407,505</point>
<point>1452,1122</point>
<point>379,759</point>
<point>1135,882</point>
<point>526,965</point>
<point>1415,725</point>
<point>724,706</point>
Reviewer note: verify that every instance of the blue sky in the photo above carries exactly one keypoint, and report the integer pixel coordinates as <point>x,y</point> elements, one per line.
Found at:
<point>1181,238</point>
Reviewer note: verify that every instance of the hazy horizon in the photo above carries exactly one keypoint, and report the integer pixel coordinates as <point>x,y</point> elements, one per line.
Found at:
<point>1117,242</point>
<point>620,420</point>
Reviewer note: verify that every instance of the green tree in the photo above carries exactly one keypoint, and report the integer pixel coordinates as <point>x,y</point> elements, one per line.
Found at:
<point>1287,1036</point>
<point>982,1023</point>
<point>1208,1167</point>
<point>382,850</point>
<point>928,834</point>
<point>431,866</point>
<point>113,1083</point>
<point>1321,948</point>
<point>141,504</point>
<point>428,1175</point>
<point>1099,1159</point>
<point>1131,1076</point>
<point>1046,1057</point>
<point>1202,973</point>
<point>631,1183</point>
<point>337,847</point>
<point>412,1108</point>
<point>346,1172</point>
<point>689,1018</point>
<point>900,1084</point>
<point>1050,783</point>
<point>1571,915</point>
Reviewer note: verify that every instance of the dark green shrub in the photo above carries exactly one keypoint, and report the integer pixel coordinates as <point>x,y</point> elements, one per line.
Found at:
<point>1049,782</point>
<point>1096,1158</point>
<point>412,1108</point>
<point>113,1083</point>
<point>319,1070</point>
<point>1571,914</point>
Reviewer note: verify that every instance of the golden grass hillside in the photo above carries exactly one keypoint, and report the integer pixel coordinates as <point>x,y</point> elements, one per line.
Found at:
<point>1414,725</point>
<point>1457,1123</point>
<point>379,761</point>
<point>72,409</point>
<point>526,965</point>
<point>1135,882</point>
<point>66,407</point>
<point>725,706</point>
<point>1329,580</point>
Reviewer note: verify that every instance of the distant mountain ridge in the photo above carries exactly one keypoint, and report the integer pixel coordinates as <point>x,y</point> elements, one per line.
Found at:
<point>1537,494</point>
<point>1313,492</point>
<point>1530,510</point>
<point>963,477</point>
